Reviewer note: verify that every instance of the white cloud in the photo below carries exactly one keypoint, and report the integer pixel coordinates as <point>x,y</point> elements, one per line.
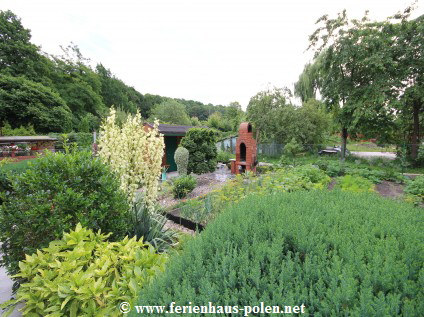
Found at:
<point>212,51</point>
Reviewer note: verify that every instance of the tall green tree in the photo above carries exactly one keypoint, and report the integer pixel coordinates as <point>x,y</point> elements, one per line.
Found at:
<point>24,102</point>
<point>308,83</point>
<point>18,56</point>
<point>264,111</point>
<point>171,111</point>
<point>116,93</point>
<point>409,77</point>
<point>356,73</point>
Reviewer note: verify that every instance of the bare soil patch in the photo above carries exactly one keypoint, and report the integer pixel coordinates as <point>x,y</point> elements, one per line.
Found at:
<point>390,189</point>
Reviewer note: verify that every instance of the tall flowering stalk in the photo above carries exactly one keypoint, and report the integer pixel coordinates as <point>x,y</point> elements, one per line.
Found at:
<point>134,154</point>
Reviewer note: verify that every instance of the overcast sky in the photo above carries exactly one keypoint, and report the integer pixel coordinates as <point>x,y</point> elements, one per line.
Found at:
<point>211,51</point>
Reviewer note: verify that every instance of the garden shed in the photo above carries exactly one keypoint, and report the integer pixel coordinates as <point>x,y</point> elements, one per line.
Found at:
<point>173,135</point>
<point>25,147</point>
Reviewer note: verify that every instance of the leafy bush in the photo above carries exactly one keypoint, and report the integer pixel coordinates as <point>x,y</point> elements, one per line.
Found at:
<point>262,169</point>
<point>5,186</point>
<point>82,139</point>
<point>355,183</point>
<point>224,157</point>
<point>52,196</point>
<point>84,275</point>
<point>375,176</point>
<point>181,159</point>
<point>312,173</point>
<point>292,148</point>
<point>332,168</point>
<point>6,130</point>
<point>415,190</point>
<point>200,142</point>
<point>184,185</point>
<point>150,227</point>
<point>303,248</point>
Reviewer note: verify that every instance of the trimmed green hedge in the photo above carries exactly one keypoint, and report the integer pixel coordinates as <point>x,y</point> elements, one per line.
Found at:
<point>338,253</point>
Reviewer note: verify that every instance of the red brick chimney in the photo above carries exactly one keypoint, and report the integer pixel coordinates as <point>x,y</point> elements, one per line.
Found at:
<point>246,158</point>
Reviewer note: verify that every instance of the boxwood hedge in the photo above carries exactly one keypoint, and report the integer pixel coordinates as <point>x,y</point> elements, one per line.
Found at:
<point>338,253</point>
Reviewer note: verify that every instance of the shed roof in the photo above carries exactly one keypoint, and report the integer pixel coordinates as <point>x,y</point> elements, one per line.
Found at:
<point>169,129</point>
<point>23,139</point>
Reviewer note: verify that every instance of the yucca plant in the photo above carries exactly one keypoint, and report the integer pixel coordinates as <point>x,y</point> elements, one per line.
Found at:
<point>150,226</point>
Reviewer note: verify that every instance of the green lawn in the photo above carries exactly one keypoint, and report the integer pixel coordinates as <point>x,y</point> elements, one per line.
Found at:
<point>16,167</point>
<point>369,147</point>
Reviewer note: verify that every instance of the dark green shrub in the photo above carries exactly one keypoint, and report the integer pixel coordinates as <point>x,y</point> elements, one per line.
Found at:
<point>332,168</point>
<point>184,185</point>
<point>338,253</point>
<point>224,157</point>
<point>52,196</point>
<point>84,275</point>
<point>292,148</point>
<point>200,142</point>
<point>5,186</point>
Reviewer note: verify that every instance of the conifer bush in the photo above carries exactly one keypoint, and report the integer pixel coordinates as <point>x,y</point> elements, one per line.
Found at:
<point>200,142</point>
<point>338,253</point>
<point>181,159</point>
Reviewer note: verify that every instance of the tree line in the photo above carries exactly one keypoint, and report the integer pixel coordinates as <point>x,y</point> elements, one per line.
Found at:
<point>64,93</point>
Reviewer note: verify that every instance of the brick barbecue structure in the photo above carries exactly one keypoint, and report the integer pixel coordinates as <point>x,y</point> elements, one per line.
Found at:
<point>246,159</point>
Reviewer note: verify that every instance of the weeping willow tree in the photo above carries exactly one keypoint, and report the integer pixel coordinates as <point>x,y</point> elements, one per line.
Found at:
<point>309,80</point>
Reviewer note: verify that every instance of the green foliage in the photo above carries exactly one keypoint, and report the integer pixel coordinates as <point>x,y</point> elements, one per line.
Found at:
<point>337,168</point>
<point>7,130</point>
<point>115,93</point>
<point>24,102</point>
<point>150,227</point>
<point>82,139</point>
<point>84,275</point>
<point>181,156</point>
<point>18,56</point>
<point>278,120</point>
<point>183,185</point>
<point>355,183</point>
<point>171,111</point>
<point>5,185</point>
<point>303,248</point>
<point>200,142</point>
<point>306,177</point>
<point>217,121</point>
<point>292,148</point>
<point>224,157</point>
<point>414,190</point>
<point>52,196</point>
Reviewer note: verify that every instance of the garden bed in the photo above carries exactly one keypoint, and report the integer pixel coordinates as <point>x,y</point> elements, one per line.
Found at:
<point>205,184</point>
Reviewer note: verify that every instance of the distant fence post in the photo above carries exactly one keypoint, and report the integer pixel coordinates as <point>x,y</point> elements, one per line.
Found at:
<point>94,148</point>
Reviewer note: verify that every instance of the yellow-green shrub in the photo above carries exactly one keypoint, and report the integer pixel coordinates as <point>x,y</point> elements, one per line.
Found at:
<point>355,183</point>
<point>83,275</point>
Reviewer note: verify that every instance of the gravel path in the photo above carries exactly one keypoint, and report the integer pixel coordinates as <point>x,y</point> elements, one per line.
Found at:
<point>387,155</point>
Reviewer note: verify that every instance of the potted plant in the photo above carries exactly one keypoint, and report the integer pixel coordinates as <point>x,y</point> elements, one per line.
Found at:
<point>164,170</point>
